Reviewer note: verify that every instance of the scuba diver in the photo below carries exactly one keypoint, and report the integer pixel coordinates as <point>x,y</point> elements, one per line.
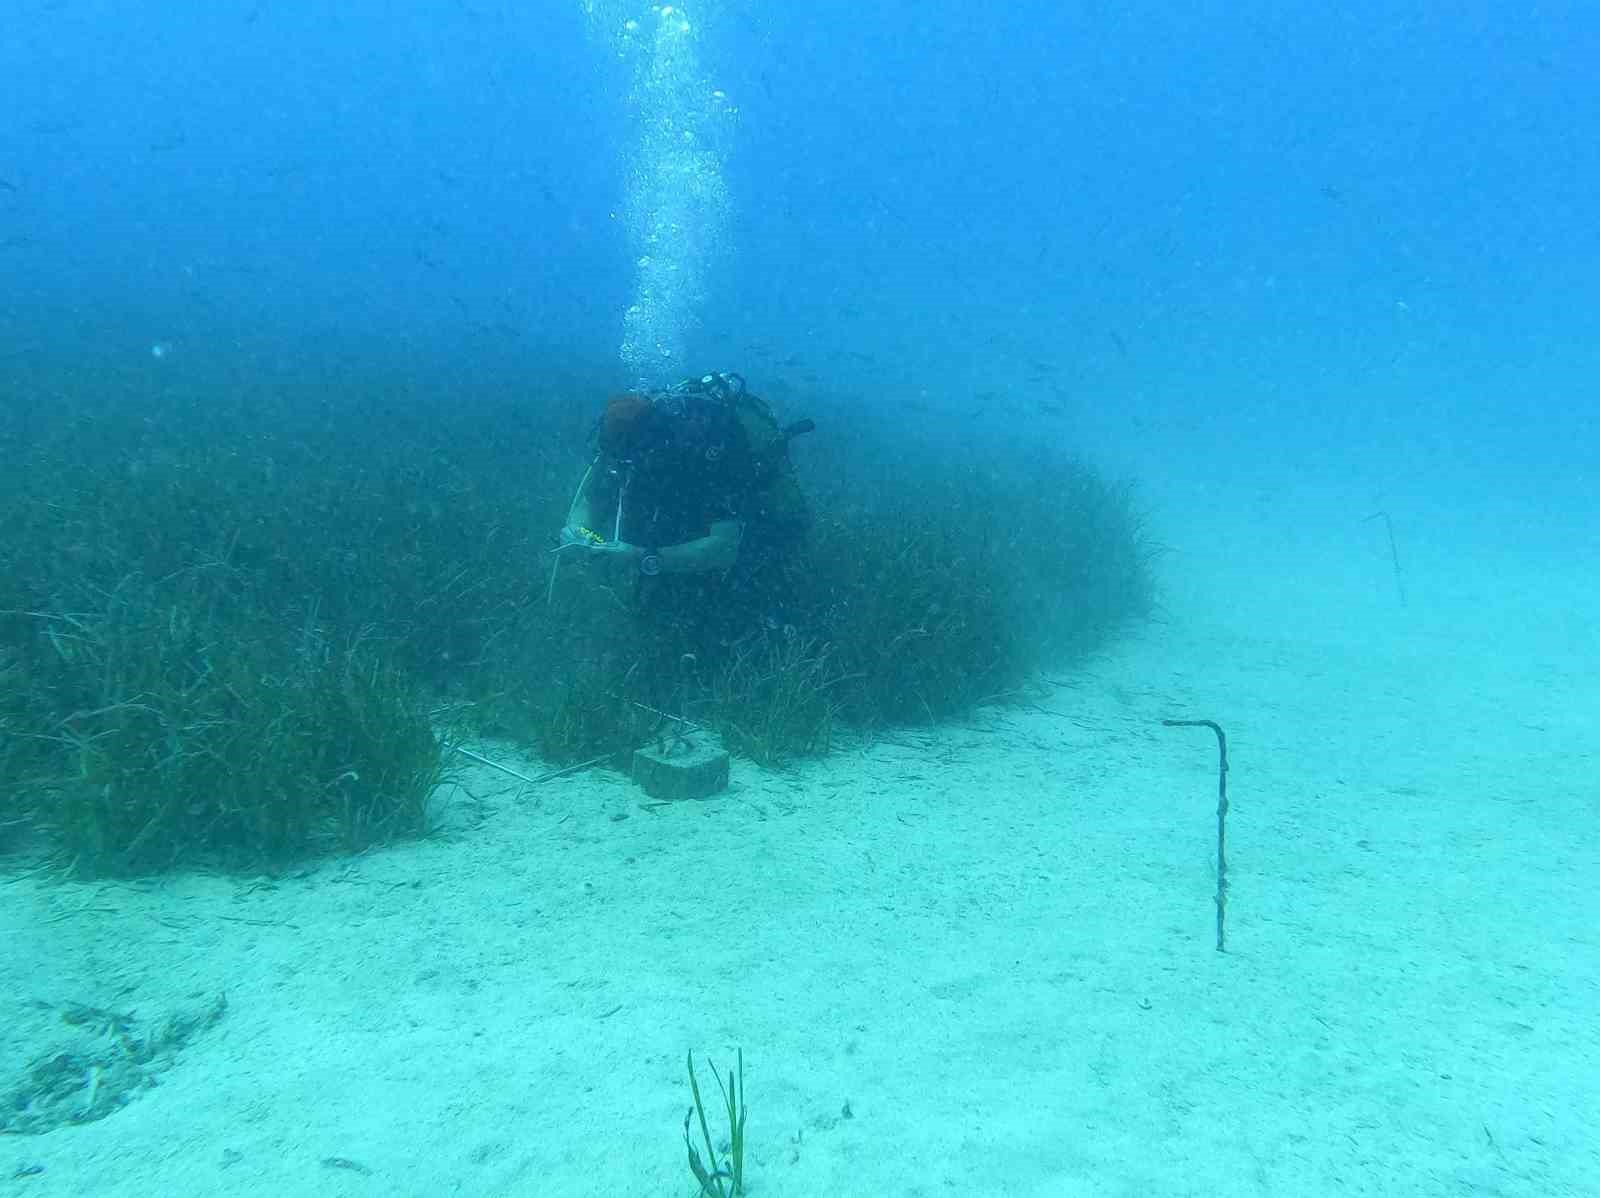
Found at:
<point>692,494</point>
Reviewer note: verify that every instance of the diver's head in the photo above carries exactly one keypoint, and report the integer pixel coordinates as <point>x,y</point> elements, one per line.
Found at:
<point>626,426</point>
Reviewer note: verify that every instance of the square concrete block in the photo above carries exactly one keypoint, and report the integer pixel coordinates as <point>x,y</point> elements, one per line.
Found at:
<point>694,766</point>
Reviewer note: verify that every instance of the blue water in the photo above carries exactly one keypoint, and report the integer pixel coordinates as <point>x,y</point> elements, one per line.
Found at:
<point>1352,234</point>
<point>1284,264</point>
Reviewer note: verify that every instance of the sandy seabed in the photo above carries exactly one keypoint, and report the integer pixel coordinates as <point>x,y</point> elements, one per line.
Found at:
<point>970,960</point>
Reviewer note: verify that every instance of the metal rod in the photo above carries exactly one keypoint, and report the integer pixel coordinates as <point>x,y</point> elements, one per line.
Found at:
<point>666,715</point>
<point>1222,816</point>
<point>506,769</point>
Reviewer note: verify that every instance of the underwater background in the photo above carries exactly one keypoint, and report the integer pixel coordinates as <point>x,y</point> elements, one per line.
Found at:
<point>1346,239</point>
<point>1315,285</point>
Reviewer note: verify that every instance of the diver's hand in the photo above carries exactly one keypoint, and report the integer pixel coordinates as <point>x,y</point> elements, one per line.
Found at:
<point>619,553</point>
<point>573,534</point>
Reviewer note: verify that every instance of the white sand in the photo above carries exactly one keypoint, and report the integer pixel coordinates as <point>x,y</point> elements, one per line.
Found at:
<point>971,960</point>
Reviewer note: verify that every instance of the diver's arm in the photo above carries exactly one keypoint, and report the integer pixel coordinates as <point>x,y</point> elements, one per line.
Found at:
<point>716,551</point>
<point>710,554</point>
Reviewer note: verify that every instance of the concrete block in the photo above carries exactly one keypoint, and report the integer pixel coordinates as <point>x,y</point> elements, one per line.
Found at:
<point>692,766</point>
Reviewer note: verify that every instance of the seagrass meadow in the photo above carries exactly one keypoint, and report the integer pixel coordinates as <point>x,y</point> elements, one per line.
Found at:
<point>245,611</point>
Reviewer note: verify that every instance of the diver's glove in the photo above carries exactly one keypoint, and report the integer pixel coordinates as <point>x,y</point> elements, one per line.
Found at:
<point>589,545</point>
<point>574,534</point>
